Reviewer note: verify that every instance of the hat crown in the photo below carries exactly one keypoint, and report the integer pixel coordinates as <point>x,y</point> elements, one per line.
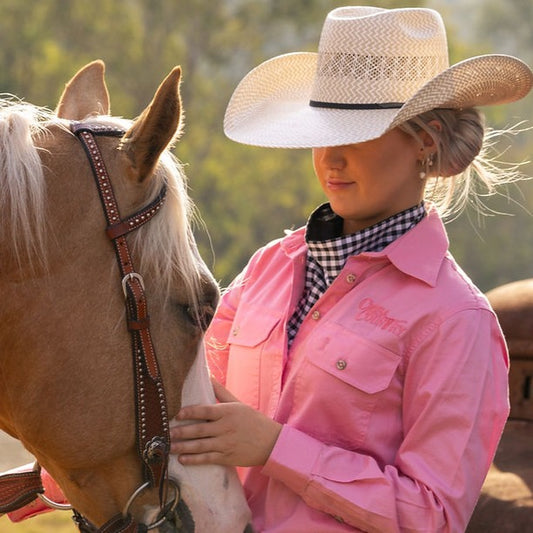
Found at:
<point>369,55</point>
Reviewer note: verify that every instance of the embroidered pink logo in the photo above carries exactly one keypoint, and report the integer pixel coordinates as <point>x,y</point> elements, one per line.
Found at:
<point>373,313</point>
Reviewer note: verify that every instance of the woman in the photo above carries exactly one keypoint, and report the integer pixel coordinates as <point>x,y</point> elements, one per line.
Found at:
<point>372,372</point>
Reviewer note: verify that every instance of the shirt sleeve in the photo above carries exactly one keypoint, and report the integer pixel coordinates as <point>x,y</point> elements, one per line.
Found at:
<point>455,405</point>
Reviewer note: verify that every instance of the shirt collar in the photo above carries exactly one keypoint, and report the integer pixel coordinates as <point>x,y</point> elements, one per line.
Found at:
<point>330,249</point>
<point>420,252</point>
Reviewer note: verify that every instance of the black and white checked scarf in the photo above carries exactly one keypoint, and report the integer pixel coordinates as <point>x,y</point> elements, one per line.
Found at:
<point>328,251</point>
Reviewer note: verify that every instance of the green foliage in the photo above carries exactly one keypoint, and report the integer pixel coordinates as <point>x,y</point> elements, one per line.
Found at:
<point>245,195</point>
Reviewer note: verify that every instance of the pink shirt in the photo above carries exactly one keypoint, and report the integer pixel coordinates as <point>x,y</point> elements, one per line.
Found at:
<point>392,398</point>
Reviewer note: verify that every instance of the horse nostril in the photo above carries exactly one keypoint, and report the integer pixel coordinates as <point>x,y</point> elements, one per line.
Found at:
<point>248,529</point>
<point>184,521</point>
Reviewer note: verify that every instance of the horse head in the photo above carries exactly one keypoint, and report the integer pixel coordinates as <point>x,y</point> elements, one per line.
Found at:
<point>66,366</point>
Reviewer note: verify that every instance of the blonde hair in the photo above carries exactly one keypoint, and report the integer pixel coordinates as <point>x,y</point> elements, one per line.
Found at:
<point>464,171</point>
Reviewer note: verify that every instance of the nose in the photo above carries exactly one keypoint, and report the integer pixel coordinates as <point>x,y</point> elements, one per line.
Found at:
<point>332,157</point>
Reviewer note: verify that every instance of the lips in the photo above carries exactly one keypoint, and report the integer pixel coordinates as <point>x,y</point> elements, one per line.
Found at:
<point>335,184</point>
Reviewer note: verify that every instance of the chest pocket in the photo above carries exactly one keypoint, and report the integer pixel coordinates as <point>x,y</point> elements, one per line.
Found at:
<point>354,385</point>
<point>251,327</point>
<point>354,360</point>
<point>248,341</point>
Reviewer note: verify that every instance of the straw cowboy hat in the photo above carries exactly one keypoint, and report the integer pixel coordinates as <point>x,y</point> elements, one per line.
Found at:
<point>375,68</point>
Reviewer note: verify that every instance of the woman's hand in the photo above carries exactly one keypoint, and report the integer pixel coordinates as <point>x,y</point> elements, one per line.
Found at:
<point>227,433</point>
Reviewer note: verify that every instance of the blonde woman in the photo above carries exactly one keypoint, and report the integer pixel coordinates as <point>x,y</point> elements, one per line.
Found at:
<point>371,374</point>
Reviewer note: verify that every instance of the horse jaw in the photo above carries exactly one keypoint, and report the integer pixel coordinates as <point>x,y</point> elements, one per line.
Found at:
<point>212,493</point>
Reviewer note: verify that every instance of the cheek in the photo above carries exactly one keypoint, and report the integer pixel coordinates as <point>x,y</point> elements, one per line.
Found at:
<point>316,156</point>
<point>319,168</point>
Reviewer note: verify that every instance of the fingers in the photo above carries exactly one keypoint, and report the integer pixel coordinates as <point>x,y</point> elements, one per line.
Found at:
<point>198,451</point>
<point>198,412</point>
<point>193,431</point>
<point>211,458</point>
<point>197,444</point>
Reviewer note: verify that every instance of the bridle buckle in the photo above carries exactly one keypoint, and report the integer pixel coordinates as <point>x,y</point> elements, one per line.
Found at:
<point>128,277</point>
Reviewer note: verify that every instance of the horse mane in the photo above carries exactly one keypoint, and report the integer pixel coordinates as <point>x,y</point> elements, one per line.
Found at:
<point>22,188</point>
<point>165,246</point>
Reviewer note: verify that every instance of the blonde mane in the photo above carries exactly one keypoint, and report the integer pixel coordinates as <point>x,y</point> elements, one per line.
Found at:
<point>22,188</point>
<point>165,246</point>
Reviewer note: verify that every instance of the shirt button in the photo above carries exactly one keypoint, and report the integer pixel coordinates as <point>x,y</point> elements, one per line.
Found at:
<point>235,331</point>
<point>341,364</point>
<point>315,315</point>
<point>350,278</point>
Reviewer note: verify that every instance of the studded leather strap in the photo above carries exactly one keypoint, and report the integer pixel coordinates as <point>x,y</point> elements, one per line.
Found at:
<point>153,436</point>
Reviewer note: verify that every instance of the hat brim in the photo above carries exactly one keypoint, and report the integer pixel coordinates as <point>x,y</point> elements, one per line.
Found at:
<point>270,107</point>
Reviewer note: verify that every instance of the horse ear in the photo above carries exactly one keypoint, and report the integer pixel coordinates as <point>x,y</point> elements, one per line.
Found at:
<point>157,126</point>
<point>85,94</point>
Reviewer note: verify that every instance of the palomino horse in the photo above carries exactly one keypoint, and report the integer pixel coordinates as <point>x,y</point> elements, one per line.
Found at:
<point>506,502</point>
<point>66,372</point>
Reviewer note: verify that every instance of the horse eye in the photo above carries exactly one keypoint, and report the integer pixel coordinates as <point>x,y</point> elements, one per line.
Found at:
<point>200,316</point>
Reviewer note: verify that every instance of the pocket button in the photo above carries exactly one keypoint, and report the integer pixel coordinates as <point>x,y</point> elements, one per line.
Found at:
<point>341,364</point>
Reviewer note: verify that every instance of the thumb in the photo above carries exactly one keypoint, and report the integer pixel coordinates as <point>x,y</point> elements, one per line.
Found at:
<point>222,394</point>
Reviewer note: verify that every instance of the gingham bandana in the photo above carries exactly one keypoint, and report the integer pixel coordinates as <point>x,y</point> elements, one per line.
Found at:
<point>328,251</point>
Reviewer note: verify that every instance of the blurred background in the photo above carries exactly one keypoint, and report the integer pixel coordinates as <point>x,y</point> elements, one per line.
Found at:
<point>247,196</point>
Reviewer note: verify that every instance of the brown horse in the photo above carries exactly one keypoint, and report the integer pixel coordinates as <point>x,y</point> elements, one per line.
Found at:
<point>506,502</point>
<point>66,376</point>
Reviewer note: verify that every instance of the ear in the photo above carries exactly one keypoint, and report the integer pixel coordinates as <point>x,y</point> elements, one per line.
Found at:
<point>156,127</point>
<point>427,139</point>
<point>85,94</point>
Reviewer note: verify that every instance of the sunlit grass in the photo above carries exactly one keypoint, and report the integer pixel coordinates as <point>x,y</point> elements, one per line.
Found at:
<point>54,522</point>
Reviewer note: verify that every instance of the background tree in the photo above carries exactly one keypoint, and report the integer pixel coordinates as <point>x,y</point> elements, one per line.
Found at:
<point>247,196</point>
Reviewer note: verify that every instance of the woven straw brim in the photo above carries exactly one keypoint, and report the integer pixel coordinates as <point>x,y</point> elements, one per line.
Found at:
<point>270,107</point>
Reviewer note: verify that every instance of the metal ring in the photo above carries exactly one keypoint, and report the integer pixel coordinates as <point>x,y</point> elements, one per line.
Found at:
<point>129,276</point>
<point>55,505</point>
<point>51,503</point>
<point>141,489</point>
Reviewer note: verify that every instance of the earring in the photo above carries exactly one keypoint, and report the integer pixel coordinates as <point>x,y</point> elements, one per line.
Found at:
<point>426,164</point>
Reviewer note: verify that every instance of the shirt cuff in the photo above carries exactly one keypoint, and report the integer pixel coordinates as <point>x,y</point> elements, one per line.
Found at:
<point>293,459</point>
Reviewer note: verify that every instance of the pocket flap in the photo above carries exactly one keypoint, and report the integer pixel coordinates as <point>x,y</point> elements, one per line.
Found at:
<point>355,360</point>
<point>252,327</point>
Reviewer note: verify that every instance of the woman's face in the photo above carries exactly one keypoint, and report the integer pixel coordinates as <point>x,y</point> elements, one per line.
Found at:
<point>371,181</point>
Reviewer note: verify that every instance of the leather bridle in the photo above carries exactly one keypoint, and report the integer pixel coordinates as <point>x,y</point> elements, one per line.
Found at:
<point>152,424</point>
